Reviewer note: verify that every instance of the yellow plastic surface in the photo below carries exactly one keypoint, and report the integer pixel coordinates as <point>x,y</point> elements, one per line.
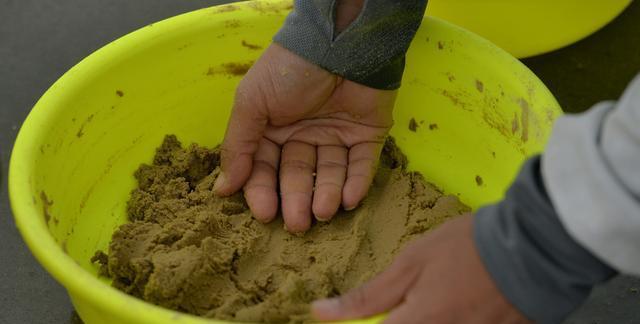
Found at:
<point>529,27</point>
<point>74,158</point>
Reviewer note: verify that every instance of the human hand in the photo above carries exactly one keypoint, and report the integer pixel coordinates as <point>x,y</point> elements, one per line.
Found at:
<point>319,133</point>
<point>439,278</point>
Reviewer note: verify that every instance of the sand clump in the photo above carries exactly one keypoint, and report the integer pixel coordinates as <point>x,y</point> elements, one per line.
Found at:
<point>188,250</point>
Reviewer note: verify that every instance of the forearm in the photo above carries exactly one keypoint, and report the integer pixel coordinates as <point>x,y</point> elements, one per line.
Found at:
<point>370,51</point>
<point>346,13</point>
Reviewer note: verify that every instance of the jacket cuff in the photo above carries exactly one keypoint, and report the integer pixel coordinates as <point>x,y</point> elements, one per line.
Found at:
<point>536,264</point>
<point>371,51</point>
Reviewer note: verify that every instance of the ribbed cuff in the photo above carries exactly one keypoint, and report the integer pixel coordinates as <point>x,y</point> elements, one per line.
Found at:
<point>371,51</point>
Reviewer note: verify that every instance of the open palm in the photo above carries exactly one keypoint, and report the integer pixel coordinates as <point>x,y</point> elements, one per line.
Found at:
<point>312,134</point>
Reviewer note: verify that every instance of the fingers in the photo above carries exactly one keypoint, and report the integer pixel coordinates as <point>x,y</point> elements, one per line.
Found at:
<point>331,174</point>
<point>260,191</point>
<point>379,295</point>
<point>363,161</point>
<point>244,131</point>
<point>296,184</point>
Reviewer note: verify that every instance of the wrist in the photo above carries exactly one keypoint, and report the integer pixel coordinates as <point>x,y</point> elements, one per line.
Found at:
<point>346,13</point>
<point>370,51</point>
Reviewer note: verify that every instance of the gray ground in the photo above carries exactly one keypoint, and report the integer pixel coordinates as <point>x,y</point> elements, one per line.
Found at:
<point>40,40</point>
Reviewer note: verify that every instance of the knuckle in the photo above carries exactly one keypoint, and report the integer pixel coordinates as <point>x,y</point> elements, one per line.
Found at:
<point>368,166</point>
<point>329,185</point>
<point>228,156</point>
<point>263,165</point>
<point>257,188</point>
<point>358,175</point>
<point>323,213</point>
<point>364,160</point>
<point>296,166</point>
<point>328,164</point>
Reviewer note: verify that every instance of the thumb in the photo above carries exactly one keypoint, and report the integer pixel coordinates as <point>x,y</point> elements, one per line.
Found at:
<point>244,131</point>
<point>377,296</point>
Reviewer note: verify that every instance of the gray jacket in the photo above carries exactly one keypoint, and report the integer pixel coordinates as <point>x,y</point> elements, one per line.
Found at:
<point>571,219</point>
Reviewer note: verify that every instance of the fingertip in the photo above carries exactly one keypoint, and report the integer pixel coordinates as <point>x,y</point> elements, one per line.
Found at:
<point>323,216</point>
<point>351,197</point>
<point>264,216</point>
<point>220,187</point>
<point>350,207</point>
<point>298,225</point>
<point>223,187</point>
<point>263,203</point>
<point>326,309</point>
<point>296,214</point>
<point>355,190</point>
<point>232,179</point>
<point>325,206</point>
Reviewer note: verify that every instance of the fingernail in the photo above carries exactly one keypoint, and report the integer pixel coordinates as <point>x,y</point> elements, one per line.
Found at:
<point>219,182</point>
<point>326,307</point>
<point>350,208</point>
<point>322,219</point>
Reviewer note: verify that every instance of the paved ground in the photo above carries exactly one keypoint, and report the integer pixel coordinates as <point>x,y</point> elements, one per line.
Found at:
<point>40,40</point>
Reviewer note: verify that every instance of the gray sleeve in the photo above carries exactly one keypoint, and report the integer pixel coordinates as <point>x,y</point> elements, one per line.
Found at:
<point>591,169</point>
<point>532,259</point>
<point>371,51</point>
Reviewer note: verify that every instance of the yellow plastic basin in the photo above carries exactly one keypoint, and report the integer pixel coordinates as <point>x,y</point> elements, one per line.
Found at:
<point>479,112</point>
<point>529,27</point>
